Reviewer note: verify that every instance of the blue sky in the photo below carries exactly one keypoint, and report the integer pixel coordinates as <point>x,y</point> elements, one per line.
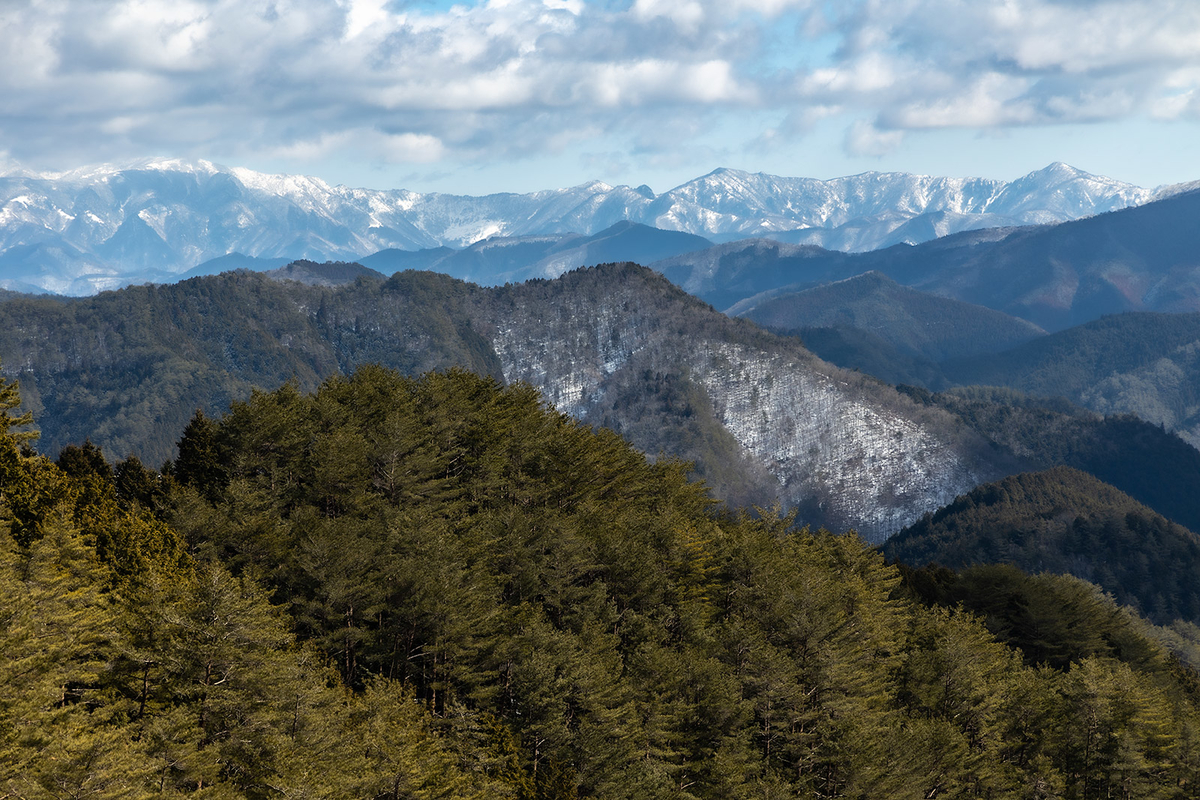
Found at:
<point>519,95</point>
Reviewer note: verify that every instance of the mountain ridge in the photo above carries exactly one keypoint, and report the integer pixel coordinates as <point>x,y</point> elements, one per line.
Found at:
<point>927,325</point>
<point>126,368</point>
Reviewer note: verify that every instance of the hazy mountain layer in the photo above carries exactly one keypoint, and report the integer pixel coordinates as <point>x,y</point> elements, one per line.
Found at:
<point>514,259</point>
<point>917,323</point>
<point>93,229</point>
<point>858,349</point>
<point>1138,363</point>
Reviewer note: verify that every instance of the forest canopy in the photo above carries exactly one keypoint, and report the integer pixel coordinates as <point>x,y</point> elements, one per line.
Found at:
<point>440,587</point>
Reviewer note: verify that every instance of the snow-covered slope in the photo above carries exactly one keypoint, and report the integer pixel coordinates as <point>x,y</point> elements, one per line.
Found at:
<point>90,229</point>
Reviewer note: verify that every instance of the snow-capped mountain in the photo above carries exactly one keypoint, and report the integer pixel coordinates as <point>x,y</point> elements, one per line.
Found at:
<point>91,229</point>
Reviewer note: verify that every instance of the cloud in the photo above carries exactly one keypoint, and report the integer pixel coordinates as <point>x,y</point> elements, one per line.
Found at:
<point>997,63</point>
<point>864,139</point>
<point>304,80</point>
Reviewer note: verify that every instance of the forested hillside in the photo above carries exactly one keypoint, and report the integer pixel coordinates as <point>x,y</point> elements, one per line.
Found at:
<point>1065,521</point>
<point>127,369</point>
<point>440,587</point>
<point>615,345</point>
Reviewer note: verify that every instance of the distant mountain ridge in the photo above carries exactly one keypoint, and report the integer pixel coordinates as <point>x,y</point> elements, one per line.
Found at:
<point>921,324</point>
<point>98,228</point>
<point>1146,364</point>
<point>500,260</point>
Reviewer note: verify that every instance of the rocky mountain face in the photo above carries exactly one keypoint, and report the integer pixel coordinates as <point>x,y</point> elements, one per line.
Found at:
<point>93,229</point>
<point>849,451</point>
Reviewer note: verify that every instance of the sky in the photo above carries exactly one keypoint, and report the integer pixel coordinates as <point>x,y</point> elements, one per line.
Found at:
<point>521,95</point>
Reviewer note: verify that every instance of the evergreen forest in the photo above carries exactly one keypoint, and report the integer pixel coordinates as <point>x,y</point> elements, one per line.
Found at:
<point>439,587</point>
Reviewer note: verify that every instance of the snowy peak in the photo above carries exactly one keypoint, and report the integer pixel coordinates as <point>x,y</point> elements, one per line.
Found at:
<point>1059,192</point>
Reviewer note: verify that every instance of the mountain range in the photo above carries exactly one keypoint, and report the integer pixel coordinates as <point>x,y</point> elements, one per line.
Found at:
<point>617,346</point>
<point>99,228</point>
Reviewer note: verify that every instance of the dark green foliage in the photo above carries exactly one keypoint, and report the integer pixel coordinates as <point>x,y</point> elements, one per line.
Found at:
<point>202,460</point>
<point>127,369</point>
<point>10,399</point>
<point>1065,521</point>
<point>84,461</point>
<point>490,554</point>
<point>1051,619</point>
<point>137,485</point>
<point>131,671</point>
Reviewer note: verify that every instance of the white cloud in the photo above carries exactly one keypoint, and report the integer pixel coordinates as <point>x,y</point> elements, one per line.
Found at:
<point>364,15</point>
<point>991,99</point>
<point>412,148</point>
<point>687,14</point>
<point>307,79</point>
<point>370,145</point>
